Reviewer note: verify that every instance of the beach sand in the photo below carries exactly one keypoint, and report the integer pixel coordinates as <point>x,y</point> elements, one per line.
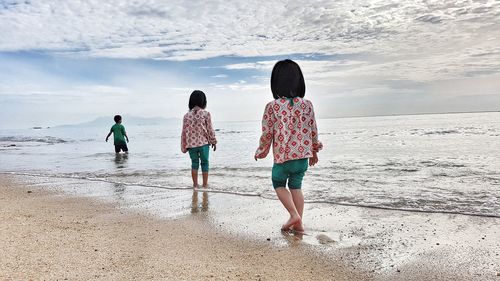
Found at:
<point>48,237</point>
<point>54,231</point>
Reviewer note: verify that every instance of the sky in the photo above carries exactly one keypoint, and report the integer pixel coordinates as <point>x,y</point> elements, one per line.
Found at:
<point>67,62</point>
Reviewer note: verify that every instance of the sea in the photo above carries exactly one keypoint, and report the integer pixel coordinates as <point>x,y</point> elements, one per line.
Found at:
<point>439,163</point>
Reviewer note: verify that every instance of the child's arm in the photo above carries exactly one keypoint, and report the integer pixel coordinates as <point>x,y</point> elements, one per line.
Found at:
<point>314,159</point>
<point>124,133</point>
<point>107,137</point>
<point>211,132</point>
<point>266,138</point>
<point>317,145</point>
<point>183,136</point>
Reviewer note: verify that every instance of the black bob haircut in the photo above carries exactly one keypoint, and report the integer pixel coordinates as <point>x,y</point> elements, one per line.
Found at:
<point>197,98</point>
<point>287,80</point>
<point>117,118</point>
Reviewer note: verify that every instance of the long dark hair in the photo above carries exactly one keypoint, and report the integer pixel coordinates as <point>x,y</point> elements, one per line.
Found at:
<point>287,80</point>
<point>197,98</point>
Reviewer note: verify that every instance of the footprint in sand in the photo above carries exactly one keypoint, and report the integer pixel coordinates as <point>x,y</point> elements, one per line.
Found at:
<point>324,239</point>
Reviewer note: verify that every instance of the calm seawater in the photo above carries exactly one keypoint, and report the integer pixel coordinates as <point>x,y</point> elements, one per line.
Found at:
<point>432,163</point>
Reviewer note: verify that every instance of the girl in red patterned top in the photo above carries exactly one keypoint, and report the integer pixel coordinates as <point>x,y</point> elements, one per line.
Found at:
<point>290,127</point>
<point>197,135</point>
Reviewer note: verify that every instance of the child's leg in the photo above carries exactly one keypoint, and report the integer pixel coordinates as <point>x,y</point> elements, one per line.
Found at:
<point>298,201</point>
<point>195,164</point>
<point>194,176</point>
<point>205,179</point>
<point>279,178</point>
<point>286,199</point>
<point>204,163</point>
<point>297,169</point>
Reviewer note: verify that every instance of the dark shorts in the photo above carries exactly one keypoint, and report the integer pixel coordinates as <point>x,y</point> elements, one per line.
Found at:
<point>199,154</point>
<point>121,146</point>
<point>292,171</point>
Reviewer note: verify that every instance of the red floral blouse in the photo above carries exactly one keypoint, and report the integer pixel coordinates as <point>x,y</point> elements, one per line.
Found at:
<point>197,129</point>
<point>291,128</point>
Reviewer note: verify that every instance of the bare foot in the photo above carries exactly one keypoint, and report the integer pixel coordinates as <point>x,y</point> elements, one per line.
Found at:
<point>290,222</point>
<point>298,227</point>
<point>195,186</point>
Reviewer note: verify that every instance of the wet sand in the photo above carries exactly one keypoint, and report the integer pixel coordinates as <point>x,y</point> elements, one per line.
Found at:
<point>90,230</point>
<point>45,236</point>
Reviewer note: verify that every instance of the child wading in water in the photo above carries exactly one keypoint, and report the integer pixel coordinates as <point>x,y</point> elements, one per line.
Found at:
<point>119,135</point>
<point>197,135</point>
<point>290,126</point>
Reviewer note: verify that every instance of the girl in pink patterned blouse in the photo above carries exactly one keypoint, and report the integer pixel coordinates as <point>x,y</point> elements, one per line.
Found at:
<point>290,127</point>
<point>197,135</point>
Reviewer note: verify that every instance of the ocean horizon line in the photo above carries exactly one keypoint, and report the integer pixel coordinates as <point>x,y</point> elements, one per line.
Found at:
<point>38,126</point>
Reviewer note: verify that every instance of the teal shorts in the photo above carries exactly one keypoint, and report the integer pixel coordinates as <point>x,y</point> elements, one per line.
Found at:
<point>199,155</point>
<point>292,170</point>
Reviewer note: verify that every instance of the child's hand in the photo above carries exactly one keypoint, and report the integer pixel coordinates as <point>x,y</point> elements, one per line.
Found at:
<point>127,140</point>
<point>214,146</point>
<point>255,157</point>
<point>106,139</point>
<point>313,160</point>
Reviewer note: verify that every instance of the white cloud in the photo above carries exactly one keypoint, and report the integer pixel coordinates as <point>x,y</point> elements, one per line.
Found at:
<point>181,30</point>
<point>220,76</point>
<point>260,65</point>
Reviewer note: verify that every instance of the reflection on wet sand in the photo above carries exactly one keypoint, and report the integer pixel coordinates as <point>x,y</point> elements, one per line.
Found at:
<point>194,202</point>
<point>120,162</point>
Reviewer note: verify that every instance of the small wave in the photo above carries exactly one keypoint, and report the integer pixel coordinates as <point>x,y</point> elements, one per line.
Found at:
<point>412,210</point>
<point>100,154</point>
<point>442,132</point>
<point>493,180</point>
<point>232,132</point>
<point>342,201</point>
<point>9,148</point>
<point>407,170</point>
<point>46,139</point>
<point>410,170</point>
<point>121,174</point>
<point>429,163</point>
<point>248,169</point>
<point>389,164</point>
<point>456,174</point>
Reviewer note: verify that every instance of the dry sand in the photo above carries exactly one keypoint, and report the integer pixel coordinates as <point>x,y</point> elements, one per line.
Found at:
<point>48,237</point>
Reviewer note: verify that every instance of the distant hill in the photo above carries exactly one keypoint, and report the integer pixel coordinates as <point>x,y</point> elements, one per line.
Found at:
<point>127,120</point>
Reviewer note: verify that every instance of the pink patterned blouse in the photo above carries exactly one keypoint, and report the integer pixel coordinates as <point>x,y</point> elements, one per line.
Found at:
<point>290,128</point>
<point>197,129</point>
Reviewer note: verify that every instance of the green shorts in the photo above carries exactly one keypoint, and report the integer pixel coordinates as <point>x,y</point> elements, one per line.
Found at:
<point>292,170</point>
<point>197,155</point>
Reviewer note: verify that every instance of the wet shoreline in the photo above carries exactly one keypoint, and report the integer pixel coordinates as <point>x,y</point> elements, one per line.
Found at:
<point>385,244</point>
